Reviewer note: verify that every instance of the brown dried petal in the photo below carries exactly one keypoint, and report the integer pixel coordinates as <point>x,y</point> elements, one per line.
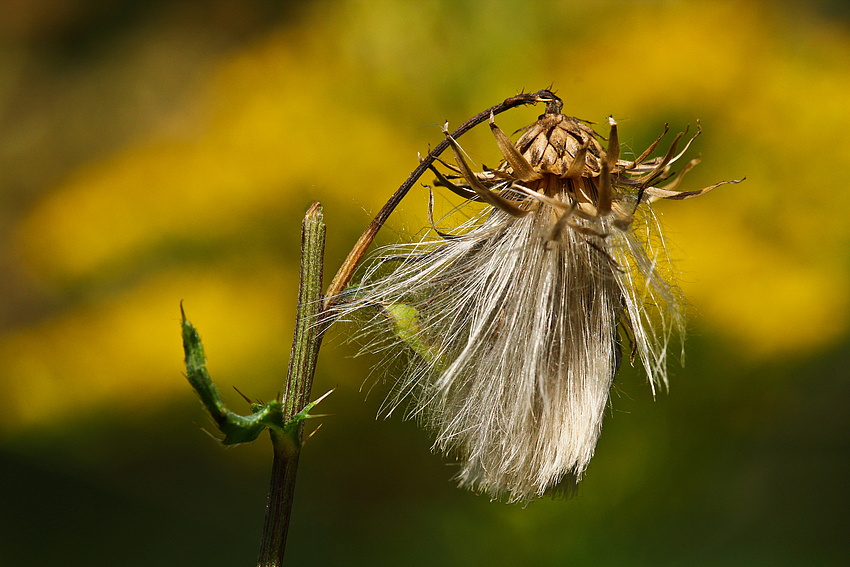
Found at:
<point>522,170</point>
<point>486,195</point>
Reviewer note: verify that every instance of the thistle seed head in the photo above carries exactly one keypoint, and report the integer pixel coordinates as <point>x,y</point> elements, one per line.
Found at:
<point>513,320</point>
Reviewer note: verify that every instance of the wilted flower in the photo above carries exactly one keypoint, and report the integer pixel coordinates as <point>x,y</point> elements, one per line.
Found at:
<point>515,318</point>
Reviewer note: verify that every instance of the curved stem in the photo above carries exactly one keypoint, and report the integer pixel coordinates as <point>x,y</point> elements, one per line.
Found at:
<point>350,264</point>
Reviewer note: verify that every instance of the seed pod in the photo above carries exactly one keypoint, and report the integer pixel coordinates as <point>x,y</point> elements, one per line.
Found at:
<point>513,319</point>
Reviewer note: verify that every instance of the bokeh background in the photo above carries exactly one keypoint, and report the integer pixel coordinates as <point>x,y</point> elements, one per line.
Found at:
<point>153,152</point>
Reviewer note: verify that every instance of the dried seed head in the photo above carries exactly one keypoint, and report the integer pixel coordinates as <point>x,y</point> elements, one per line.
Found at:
<point>513,319</point>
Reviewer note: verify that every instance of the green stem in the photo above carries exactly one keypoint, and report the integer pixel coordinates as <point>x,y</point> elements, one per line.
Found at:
<point>299,381</point>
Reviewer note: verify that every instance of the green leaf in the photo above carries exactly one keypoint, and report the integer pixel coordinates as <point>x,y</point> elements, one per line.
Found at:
<point>236,428</point>
<point>405,325</point>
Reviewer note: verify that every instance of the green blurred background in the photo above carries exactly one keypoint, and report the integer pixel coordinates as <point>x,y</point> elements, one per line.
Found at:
<point>152,152</point>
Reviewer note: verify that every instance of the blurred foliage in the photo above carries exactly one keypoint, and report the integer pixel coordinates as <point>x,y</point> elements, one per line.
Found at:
<point>155,154</point>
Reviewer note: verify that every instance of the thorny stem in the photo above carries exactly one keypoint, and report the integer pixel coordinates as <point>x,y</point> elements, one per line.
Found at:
<point>350,264</point>
<point>299,381</point>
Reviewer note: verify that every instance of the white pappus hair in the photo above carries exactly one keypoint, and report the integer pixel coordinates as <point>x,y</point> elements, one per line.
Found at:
<point>513,322</point>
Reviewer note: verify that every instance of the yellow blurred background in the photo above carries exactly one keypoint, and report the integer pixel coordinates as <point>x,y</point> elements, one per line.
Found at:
<point>166,151</point>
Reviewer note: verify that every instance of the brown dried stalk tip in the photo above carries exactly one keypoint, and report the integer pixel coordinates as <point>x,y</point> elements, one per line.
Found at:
<point>343,275</point>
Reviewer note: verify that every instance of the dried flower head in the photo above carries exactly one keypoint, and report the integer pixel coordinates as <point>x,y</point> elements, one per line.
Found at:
<point>513,319</point>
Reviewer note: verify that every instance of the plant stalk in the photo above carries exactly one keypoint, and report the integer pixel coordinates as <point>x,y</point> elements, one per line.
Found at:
<point>299,382</point>
<point>350,264</point>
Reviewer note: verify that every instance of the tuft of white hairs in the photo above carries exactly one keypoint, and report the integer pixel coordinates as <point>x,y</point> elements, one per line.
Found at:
<point>513,323</point>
